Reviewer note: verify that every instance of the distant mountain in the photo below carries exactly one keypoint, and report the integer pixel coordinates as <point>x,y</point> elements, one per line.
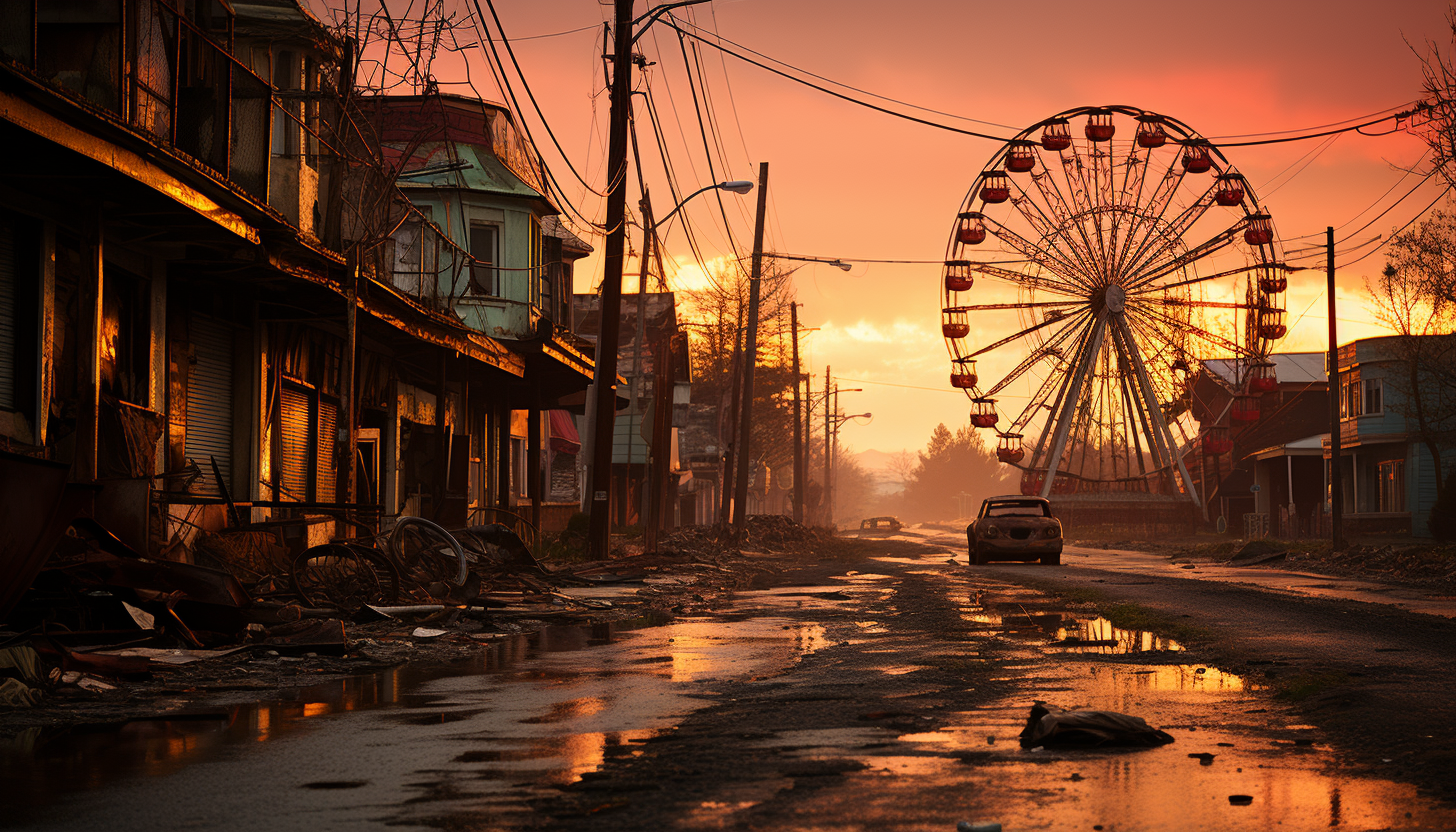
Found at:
<point>875,461</point>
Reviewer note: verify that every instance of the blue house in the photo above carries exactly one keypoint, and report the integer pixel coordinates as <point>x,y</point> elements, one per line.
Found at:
<point>1389,417</point>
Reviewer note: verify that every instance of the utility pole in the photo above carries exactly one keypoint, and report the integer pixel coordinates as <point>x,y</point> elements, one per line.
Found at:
<point>750,357</point>
<point>604,374</point>
<point>828,506</point>
<point>798,423</point>
<point>726,491</point>
<point>1337,484</point>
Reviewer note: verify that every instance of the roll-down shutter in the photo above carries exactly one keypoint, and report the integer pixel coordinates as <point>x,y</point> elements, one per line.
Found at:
<point>210,401</point>
<point>328,428</point>
<point>7,314</point>
<point>295,451</point>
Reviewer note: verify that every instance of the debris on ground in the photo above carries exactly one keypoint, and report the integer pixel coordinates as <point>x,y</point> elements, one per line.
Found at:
<point>1048,725</point>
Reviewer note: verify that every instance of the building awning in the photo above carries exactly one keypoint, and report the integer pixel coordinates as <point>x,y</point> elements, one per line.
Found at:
<point>564,438</point>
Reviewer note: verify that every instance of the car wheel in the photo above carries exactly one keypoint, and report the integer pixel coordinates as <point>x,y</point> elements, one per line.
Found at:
<point>1054,559</point>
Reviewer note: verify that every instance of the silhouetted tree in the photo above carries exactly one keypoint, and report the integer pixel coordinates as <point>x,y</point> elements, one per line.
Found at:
<point>952,463</point>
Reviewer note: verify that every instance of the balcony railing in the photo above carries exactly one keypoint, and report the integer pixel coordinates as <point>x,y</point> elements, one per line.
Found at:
<point>155,69</point>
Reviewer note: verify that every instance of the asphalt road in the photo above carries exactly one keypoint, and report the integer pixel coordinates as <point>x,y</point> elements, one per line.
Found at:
<point>882,692</point>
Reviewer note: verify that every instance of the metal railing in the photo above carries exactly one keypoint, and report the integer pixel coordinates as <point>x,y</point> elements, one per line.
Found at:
<point>154,69</point>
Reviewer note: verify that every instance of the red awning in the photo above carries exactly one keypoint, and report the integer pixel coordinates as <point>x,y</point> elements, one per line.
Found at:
<point>564,439</point>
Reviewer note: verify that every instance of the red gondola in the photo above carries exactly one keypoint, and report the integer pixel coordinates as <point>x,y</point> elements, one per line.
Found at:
<point>1150,132</point>
<point>963,376</point>
<point>958,275</point>
<point>1272,280</point>
<point>1245,409</point>
<point>1230,190</point>
<point>1031,482</point>
<point>995,187</point>
<point>955,323</point>
<point>1262,378</point>
<point>1271,324</point>
<point>1021,157</point>
<point>983,413</point>
<point>1259,231</point>
<point>1099,126</point>
<point>1196,158</point>
<point>1216,441</point>
<point>1009,449</point>
<point>972,228</point>
<point>1056,135</point>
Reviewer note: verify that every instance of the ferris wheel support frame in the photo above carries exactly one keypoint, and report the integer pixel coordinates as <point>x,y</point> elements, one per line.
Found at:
<point>1165,436</point>
<point>1064,419</point>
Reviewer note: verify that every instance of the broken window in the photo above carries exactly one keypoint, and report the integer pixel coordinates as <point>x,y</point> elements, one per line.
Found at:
<point>485,251</point>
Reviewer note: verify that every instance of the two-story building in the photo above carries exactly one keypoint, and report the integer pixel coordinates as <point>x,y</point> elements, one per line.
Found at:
<point>219,310</point>
<point>1393,410</point>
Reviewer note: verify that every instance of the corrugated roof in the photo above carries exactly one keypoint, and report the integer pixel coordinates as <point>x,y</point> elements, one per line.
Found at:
<point>481,172</point>
<point>1290,367</point>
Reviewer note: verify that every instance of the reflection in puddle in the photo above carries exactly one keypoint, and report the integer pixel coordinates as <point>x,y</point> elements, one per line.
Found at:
<point>1070,633</point>
<point>533,710</point>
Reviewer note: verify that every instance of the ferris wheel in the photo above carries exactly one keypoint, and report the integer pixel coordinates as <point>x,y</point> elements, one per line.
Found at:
<point>1126,255</point>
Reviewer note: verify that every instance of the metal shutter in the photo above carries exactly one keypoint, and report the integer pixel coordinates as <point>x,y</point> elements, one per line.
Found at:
<point>294,453</point>
<point>328,428</point>
<point>7,315</point>
<point>210,401</point>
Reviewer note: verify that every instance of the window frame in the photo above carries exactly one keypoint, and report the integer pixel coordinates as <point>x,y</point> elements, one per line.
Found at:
<point>491,267</point>
<point>1368,387</point>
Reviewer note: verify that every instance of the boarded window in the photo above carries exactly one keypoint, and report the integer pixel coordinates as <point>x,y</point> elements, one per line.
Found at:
<point>1392,485</point>
<point>9,282</point>
<point>328,429</point>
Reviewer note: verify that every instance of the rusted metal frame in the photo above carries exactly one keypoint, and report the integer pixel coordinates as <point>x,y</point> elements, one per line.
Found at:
<point>1064,218</point>
<point>1199,304</point>
<point>1047,227</point>
<point>1088,189</point>
<point>1092,347</point>
<point>1038,399</point>
<point>1137,269</point>
<point>1102,194</point>
<point>1131,420</point>
<point>1124,197</point>
<point>1208,247</point>
<point>1062,389</point>
<point>1143,417</point>
<point>1156,413</point>
<point>1038,355</point>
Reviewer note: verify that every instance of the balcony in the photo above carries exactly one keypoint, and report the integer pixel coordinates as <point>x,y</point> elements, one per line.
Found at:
<point>168,76</point>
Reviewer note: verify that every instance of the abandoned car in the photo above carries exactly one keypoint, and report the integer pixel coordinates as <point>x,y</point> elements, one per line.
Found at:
<point>1015,528</point>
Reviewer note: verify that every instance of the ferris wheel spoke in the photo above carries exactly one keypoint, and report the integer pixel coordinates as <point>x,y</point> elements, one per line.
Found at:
<point>1056,202</point>
<point>1049,229</point>
<point>1150,219</point>
<point>1052,348</point>
<point>983,307</point>
<point>1067,322</point>
<point>1152,271</point>
<point>1155,413</point>
<point>1201,334</point>
<point>1171,235</point>
<point>995,271</point>
<point>1055,264</point>
<point>1038,401</point>
<point>1150,286</point>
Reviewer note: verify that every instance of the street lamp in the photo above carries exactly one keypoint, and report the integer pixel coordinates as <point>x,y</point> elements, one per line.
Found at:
<point>604,380</point>
<point>836,262</point>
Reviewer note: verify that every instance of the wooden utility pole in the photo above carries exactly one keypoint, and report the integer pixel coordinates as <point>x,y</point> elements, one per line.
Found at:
<point>604,375</point>
<point>798,421</point>
<point>1337,484</point>
<point>750,357</point>
<point>828,507</point>
<point>725,494</point>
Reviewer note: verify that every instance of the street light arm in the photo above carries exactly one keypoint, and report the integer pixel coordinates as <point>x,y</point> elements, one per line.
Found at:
<point>734,186</point>
<point>837,262</point>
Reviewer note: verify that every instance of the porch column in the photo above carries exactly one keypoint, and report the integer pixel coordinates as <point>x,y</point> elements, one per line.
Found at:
<point>503,457</point>
<point>89,344</point>
<point>533,460</point>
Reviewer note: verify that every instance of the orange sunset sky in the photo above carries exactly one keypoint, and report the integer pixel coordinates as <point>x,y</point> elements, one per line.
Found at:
<point>850,183</point>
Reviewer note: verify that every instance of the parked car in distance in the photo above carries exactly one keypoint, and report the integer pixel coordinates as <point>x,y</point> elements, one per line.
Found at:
<point>881,524</point>
<point>1015,528</point>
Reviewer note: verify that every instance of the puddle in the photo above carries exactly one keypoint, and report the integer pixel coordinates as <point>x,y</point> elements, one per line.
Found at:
<point>525,713</point>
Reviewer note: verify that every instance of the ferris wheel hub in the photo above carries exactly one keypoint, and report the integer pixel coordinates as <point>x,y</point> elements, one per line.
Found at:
<point>1114,298</point>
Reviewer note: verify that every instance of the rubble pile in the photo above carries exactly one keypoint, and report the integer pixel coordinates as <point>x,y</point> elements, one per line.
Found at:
<point>1420,564</point>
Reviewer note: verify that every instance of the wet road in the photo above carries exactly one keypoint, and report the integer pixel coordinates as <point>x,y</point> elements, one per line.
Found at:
<point>885,694</point>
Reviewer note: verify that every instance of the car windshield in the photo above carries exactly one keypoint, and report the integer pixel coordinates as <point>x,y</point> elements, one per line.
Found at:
<point>1027,509</point>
